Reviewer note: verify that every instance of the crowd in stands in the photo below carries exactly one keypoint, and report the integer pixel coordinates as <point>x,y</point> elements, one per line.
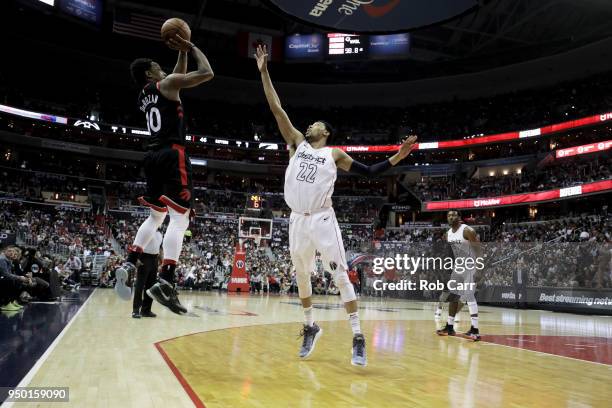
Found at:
<point>57,249</point>
<point>38,185</point>
<point>563,174</point>
<point>356,125</point>
<point>573,252</point>
<point>206,261</point>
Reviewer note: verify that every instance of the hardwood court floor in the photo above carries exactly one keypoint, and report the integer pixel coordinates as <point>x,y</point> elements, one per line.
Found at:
<point>240,351</point>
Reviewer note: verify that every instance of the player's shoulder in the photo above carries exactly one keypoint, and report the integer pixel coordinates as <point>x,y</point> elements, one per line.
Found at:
<point>467,229</point>
<point>337,153</point>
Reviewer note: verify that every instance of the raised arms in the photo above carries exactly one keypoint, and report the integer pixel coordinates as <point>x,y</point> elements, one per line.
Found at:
<point>346,162</point>
<point>292,136</point>
<point>173,83</point>
<point>181,63</point>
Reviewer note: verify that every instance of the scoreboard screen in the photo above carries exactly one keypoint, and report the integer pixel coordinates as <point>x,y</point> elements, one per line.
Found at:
<point>86,10</point>
<point>254,202</point>
<point>347,46</point>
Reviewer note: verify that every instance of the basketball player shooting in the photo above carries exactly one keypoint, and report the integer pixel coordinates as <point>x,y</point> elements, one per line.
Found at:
<point>465,244</point>
<point>309,185</point>
<point>166,164</point>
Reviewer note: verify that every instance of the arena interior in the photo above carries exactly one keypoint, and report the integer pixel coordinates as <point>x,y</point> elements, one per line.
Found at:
<point>511,101</point>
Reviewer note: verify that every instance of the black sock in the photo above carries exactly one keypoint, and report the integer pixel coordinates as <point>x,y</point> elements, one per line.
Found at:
<point>167,273</point>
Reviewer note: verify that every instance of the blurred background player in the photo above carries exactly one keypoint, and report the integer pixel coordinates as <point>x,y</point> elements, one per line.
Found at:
<point>166,164</point>
<point>466,245</point>
<point>146,276</point>
<point>309,185</point>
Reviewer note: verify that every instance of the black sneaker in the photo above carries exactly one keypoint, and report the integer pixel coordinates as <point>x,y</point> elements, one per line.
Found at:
<point>124,275</point>
<point>165,294</point>
<point>359,357</point>
<point>472,334</point>
<point>135,315</point>
<point>148,314</point>
<point>448,330</point>
<point>311,334</point>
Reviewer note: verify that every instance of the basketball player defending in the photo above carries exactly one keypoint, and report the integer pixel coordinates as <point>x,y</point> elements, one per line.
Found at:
<point>167,166</point>
<point>465,244</point>
<point>309,185</point>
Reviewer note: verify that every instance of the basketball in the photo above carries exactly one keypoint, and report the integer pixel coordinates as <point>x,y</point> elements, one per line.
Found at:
<point>174,26</point>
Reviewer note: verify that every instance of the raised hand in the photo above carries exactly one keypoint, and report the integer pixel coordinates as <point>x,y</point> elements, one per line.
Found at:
<point>408,145</point>
<point>261,56</point>
<point>179,43</point>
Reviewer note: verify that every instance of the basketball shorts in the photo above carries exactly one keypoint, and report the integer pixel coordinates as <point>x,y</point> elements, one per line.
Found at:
<point>317,231</point>
<point>168,173</point>
<point>463,284</point>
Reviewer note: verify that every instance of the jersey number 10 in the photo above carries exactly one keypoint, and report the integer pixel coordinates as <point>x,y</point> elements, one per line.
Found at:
<point>153,120</point>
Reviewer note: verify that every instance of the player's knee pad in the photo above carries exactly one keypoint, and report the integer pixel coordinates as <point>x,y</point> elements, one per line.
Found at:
<point>303,283</point>
<point>473,307</point>
<point>178,220</point>
<point>347,291</point>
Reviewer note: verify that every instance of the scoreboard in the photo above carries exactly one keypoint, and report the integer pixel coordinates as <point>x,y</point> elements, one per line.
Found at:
<point>254,202</point>
<point>347,45</point>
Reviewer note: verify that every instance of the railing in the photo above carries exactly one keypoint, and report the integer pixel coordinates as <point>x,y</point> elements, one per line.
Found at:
<point>50,248</point>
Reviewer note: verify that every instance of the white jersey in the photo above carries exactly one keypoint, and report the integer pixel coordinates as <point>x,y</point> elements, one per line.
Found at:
<point>461,246</point>
<point>310,178</point>
<point>461,273</point>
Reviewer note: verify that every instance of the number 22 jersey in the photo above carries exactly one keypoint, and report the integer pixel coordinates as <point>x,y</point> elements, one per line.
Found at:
<point>164,118</point>
<point>310,178</point>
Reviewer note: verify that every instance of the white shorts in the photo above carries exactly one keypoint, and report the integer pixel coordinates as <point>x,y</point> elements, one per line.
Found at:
<point>316,232</point>
<point>464,284</point>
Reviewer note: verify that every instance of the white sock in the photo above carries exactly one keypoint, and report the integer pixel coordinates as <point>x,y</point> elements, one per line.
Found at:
<point>354,321</point>
<point>308,316</point>
<point>451,320</point>
<point>473,306</point>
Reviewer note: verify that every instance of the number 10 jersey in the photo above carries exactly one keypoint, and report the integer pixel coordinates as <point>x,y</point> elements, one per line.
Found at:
<point>310,178</point>
<point>164,118</point>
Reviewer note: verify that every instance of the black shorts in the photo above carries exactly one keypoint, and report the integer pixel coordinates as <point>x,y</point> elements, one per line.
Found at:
<point>168,173</point>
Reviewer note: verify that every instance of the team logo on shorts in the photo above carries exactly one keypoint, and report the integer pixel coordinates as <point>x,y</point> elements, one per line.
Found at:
<point>333,265</point>
<point>240,264</point>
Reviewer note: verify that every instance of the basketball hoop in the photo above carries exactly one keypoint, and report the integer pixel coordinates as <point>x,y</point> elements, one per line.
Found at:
<point>257,239</point>
<point>254,229</point>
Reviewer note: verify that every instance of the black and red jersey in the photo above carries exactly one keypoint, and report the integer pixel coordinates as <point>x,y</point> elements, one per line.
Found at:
<point>164,118</point>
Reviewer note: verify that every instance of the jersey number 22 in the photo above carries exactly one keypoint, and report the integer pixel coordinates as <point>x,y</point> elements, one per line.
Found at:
<point>307,172</point>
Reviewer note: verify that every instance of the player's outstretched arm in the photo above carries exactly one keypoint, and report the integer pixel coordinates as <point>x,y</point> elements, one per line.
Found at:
<point>346,162</point>
<point>181,63</point>
<point>470,235</point>
<point>292,136</point>
<point>173,83</point>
